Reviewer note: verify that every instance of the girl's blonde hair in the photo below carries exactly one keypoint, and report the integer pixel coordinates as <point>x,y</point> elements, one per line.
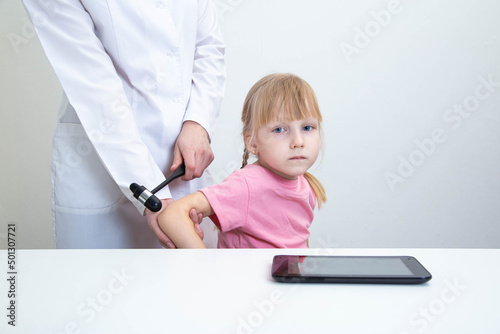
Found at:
<point>271,93</point>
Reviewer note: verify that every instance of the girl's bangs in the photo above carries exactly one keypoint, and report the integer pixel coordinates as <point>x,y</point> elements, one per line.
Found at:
<point>293,97</point>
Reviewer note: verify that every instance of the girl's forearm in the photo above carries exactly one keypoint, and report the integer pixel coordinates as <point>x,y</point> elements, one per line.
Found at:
<point>177,224</point>
<point>179,228</point>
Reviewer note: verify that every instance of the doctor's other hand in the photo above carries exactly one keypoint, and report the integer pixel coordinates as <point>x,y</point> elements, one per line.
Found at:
<point>192,147</point>
<point>152,218</point>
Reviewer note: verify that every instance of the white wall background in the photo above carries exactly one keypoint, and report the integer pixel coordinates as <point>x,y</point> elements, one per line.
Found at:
<point>410,94</point>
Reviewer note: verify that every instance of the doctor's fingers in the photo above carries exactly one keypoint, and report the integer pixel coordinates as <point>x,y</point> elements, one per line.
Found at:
<point>196,161</point>
<point>196,217</point>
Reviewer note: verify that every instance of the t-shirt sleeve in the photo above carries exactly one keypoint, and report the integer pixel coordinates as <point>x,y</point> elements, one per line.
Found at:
<point>229,200</point>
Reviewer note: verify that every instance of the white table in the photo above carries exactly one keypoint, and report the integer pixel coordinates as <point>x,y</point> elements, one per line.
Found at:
<point>231,291</point>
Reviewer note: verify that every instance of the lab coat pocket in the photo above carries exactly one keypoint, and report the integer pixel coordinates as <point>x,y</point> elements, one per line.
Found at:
<point>81,184</point>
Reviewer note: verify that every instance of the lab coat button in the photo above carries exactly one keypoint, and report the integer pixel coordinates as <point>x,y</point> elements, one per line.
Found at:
<point>160,5</point>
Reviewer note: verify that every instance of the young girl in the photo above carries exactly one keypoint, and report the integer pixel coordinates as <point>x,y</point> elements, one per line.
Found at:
<point>270,203</point>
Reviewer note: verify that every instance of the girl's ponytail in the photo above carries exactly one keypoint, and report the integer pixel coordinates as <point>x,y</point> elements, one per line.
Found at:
<point>318,189</point>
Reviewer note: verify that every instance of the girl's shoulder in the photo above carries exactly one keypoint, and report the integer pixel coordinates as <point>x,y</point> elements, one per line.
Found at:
<point>252,175</point>
<point>247,174</point>
<point>260,176</point>
<point>254,171</point>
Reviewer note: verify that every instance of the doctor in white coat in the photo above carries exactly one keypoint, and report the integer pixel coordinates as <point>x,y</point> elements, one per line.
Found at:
<point>143,83</point>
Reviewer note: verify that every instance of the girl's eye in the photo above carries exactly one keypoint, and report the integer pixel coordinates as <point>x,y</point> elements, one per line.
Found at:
<point>308,128</point>
<point>278,130</point>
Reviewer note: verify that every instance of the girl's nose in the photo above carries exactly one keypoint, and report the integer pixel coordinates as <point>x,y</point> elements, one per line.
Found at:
<point>297,141</point>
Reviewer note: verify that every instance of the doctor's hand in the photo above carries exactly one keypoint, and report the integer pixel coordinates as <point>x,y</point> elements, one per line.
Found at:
<point>192,147</point>
<point>152,218</point>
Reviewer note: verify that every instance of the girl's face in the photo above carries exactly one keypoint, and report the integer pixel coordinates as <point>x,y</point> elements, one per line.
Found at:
<point>287,148</point>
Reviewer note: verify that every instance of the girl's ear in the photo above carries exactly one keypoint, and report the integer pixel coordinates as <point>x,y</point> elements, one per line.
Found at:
<point>250,143</point>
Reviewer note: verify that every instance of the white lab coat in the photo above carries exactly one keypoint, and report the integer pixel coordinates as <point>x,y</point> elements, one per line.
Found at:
<point>132,72</point>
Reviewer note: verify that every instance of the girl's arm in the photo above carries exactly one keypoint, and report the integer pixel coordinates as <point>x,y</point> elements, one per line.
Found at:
<point>177,224</point>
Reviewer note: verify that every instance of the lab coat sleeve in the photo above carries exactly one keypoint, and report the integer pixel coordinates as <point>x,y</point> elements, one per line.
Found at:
<point>95,90</point>
<point>208,78</point>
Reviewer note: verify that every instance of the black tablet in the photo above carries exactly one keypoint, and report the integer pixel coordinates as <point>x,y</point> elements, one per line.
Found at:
<point>349,269</point>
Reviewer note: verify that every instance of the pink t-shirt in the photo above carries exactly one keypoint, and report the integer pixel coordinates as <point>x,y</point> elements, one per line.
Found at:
<point>255,208</point>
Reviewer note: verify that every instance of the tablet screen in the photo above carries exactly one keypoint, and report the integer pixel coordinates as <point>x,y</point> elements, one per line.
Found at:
<point>342,266</point>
